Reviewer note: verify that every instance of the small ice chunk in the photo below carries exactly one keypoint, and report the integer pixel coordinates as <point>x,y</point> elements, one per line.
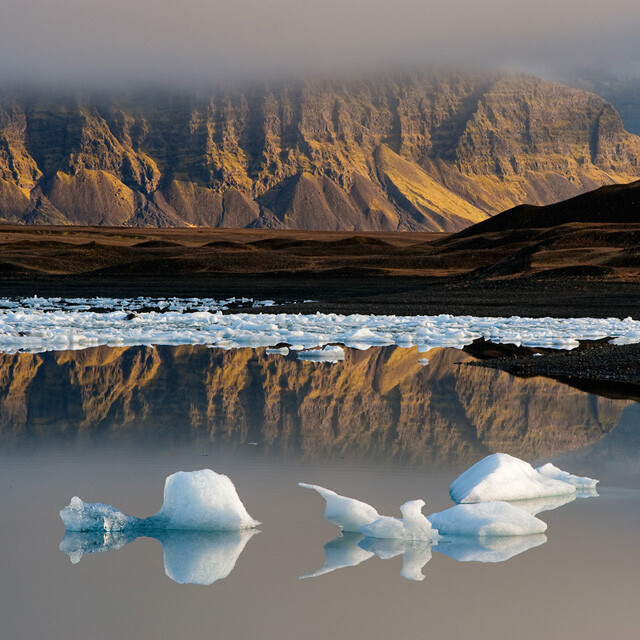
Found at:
<point>201,501</point>
<point>486,519</point>
<point>504,477</point>
<point>86,516</point>
<point>423,361</point>
<point>281,351</point>
<point>413,526</point>
<point>326,354</point>
<point>347,513</point>
<point>551,471</point>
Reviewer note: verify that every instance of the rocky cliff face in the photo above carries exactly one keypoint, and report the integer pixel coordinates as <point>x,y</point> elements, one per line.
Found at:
<point>377,402</point>
<point>422,152</point>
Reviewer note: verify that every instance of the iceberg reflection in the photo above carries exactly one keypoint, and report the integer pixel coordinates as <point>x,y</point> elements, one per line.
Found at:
<point>190,557</point>
<point>341,552</point>
<point>492,549</point>
<point>351,549</point>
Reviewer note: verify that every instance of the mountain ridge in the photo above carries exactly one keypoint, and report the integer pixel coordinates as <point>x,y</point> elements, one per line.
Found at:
<point>423,152</point>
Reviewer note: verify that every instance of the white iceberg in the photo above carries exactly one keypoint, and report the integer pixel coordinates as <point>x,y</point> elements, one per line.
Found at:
<point>201,501</point>
<point>413,526</point>
<point>326,354</point>
<point>347,513</point>
<point>486,519</point>
<point>193,501</point>
<point>488,549</point>
<point>504,477</point>
<point>581,483</point>
<point>280,351</point>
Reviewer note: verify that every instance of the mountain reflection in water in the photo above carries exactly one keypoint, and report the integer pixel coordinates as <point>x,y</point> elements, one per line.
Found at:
<point>381,402</point>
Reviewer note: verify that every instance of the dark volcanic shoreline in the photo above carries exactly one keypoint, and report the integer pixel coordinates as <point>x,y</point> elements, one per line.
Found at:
<point>604,369</point>
<point>341,272</point>
<point>348,294</point>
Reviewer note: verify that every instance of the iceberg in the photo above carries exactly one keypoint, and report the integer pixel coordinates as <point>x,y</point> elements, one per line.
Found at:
<point>504,477</point>
<point>193,501</point>
<point>347,513</point>
<point>413,526</point>
<point>581,483</point>
<point>201,501</point>
<point>486,519</point>
<point>488,549</point>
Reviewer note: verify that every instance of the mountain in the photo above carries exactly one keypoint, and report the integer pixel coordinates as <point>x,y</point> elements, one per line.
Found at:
<point>418,152</point>
<point>381,402</point>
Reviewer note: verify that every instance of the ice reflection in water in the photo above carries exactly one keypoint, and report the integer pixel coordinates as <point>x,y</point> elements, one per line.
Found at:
<point>190,557</point>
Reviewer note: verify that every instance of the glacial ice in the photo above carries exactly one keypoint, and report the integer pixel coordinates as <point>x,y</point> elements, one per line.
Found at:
<point>193,501</point>
<point>413,525</point>
<point>202,501</point>
<point>488,549</point>
<point>190,557</point>
<point>44,324</point>
<point>329,353</point>
<point>504,477</point>
<point>486,519</point>
<point>81,516</point>
<point>347,513</point>
<point>578,482</point>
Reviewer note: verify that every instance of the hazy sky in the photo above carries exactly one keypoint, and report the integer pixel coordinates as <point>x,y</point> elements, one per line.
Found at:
<point>201,40</point>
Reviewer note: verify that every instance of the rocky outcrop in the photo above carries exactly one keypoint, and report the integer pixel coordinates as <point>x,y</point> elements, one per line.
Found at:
<point>377,402</point>
<point>421,152</point>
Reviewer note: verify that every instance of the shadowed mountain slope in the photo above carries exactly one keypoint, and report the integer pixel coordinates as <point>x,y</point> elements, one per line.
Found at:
<point>419,152</point>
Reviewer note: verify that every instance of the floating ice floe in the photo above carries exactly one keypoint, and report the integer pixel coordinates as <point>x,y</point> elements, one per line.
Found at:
<point>47,324</point>
<point>486,519</point>
<point>280,351</point>
<point>413,525</point>
<point>580,483</point>
<point>504,477</point>
<point>347,513</point>
<point>329,353</point>
<point>193,501</point>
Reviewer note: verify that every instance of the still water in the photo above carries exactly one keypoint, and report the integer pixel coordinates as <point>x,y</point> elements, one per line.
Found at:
<point>110,424</point>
